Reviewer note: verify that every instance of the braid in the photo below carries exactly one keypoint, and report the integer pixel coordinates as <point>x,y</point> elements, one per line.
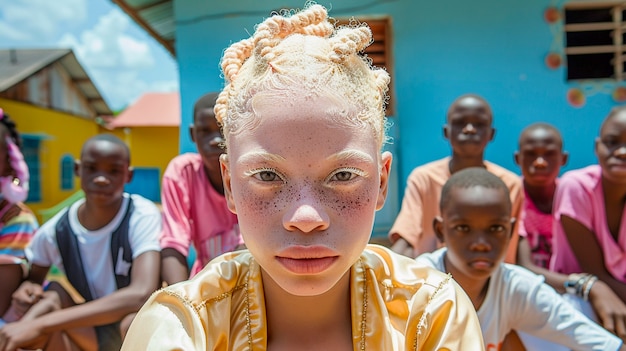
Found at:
<point>304,49</point>
<point>348,41</point>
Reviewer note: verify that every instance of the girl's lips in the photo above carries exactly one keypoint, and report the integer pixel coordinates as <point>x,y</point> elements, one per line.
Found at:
<point>306,265</point>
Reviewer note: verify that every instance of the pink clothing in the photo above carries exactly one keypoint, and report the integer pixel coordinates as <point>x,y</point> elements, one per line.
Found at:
<point>194,212</point>
<point>580,197</point>
<point>536,227</point>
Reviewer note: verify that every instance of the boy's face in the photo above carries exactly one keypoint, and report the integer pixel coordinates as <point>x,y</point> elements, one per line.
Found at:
<point>540,156</point>
<point>611,148</point>
<point>305,187</point>
<point>476,227</point>
<point>206,134</point>
<point>469,126</point>
<point>103,170</point>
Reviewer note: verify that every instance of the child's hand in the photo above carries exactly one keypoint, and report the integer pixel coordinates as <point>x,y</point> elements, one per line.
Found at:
<point>609,308</point>
<point>25,296</point>
<point>26,335</point>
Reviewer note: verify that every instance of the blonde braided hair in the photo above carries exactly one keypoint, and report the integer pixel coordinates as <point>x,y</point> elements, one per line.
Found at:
<point>303,50</point>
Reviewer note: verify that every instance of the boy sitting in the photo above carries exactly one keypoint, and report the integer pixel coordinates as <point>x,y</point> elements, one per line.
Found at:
<point>476,226</point>
<point>194,206</point>
<point>107,245</point>
<point>468,129</point>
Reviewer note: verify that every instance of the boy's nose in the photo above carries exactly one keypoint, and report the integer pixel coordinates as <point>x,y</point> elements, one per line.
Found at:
<point>620,152</point>
<point>481,244</point>
<point>216,141</point>
<point>101,180</point>
<point>540,162</point>
<point>469,129</point>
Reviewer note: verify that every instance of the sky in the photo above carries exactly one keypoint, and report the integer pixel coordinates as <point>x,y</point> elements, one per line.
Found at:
<point>121,58</point>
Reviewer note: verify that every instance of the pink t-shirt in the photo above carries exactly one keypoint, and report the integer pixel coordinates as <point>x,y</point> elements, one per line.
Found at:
<point>536,227</point>
<point>580,196</point>
<point>194,212</point>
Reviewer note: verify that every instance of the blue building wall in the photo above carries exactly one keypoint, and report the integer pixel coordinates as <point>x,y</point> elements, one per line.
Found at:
<point>441,49</point>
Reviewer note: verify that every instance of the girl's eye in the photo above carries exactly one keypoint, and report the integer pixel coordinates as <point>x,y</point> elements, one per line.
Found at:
<point>266,175</point>
<point>346,174</point>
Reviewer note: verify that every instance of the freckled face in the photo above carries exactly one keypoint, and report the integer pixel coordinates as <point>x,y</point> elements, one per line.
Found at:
<point>305,189</point>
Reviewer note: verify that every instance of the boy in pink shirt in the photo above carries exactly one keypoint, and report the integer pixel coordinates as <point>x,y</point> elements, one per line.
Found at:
<point>194,207</point>
<point>589,231</point>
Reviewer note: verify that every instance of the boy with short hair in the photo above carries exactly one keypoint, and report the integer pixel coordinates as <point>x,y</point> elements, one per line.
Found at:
<point>469,130</point>
<point>194,206</point>
<point>476,226</point>
<point>107,246</point>
<point>540,157</point>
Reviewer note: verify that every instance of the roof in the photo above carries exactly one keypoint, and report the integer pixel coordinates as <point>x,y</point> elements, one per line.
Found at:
<point>151,110</point>
<point>155,16</point>
<point>17,65</point>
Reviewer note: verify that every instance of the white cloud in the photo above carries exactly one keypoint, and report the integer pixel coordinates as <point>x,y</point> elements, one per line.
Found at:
<point>115,60</point>
<point>35,20</point>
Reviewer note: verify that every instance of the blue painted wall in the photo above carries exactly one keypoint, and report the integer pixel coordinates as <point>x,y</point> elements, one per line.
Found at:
<point>441,49</point>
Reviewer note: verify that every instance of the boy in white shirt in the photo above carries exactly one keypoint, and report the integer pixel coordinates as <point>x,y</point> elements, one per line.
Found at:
<point>476,225</point>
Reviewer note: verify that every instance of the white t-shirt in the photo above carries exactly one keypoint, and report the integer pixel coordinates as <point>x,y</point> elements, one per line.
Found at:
<point>518,299</point>
<point>95,246</point>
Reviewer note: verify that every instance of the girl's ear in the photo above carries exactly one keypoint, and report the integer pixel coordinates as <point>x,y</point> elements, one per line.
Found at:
<point>228,191</point>
<point>386,159</point>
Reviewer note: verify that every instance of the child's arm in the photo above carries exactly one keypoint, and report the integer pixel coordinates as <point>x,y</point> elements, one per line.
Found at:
<point>106,310</point>
<point>590,257</point>
<point>606,304</point>
<point>175,235</point>
<point>173,266</point>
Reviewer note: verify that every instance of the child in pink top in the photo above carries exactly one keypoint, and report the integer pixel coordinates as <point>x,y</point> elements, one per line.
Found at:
<point>194,207</point>
<point>589,233</point>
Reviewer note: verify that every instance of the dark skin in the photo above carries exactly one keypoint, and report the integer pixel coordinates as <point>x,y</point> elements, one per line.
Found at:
<point>540,157</point>
<point>206,134</point>
<point>469,130</point>
<point>103,169</point>
<point>610,149</point>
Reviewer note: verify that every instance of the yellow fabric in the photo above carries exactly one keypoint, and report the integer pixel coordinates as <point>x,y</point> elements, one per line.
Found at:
<point>409,307</point>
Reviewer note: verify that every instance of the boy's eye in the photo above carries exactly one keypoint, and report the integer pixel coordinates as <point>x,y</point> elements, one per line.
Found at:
<point>461,228</point>
<point>497,228</point>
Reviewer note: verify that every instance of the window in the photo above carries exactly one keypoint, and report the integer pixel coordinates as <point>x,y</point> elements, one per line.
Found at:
<point>67,172</point>
<point>30,149</point>
<point>594,37</point>
<point>380,50</point>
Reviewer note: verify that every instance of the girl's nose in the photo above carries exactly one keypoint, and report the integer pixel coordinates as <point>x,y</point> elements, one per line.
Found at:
<point>306,215</point>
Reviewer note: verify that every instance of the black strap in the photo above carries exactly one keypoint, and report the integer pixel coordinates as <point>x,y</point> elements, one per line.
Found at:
<point>119,242</point>
<point>72,260</point>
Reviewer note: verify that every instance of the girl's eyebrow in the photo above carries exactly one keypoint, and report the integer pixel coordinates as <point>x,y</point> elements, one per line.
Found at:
<point>351,155</point>
<point>260,156</point>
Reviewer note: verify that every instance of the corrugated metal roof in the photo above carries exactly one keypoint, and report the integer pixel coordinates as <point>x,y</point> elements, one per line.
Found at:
<point>16,65</point>
<point>150,110</point>
<point>155,16</point>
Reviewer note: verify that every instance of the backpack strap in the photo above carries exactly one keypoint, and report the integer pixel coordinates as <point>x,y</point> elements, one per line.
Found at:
<point>121,252</point>
<point>70,255</point>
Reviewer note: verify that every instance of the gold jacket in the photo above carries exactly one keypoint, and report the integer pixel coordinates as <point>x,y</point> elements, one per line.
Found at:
<point>401,304</point>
